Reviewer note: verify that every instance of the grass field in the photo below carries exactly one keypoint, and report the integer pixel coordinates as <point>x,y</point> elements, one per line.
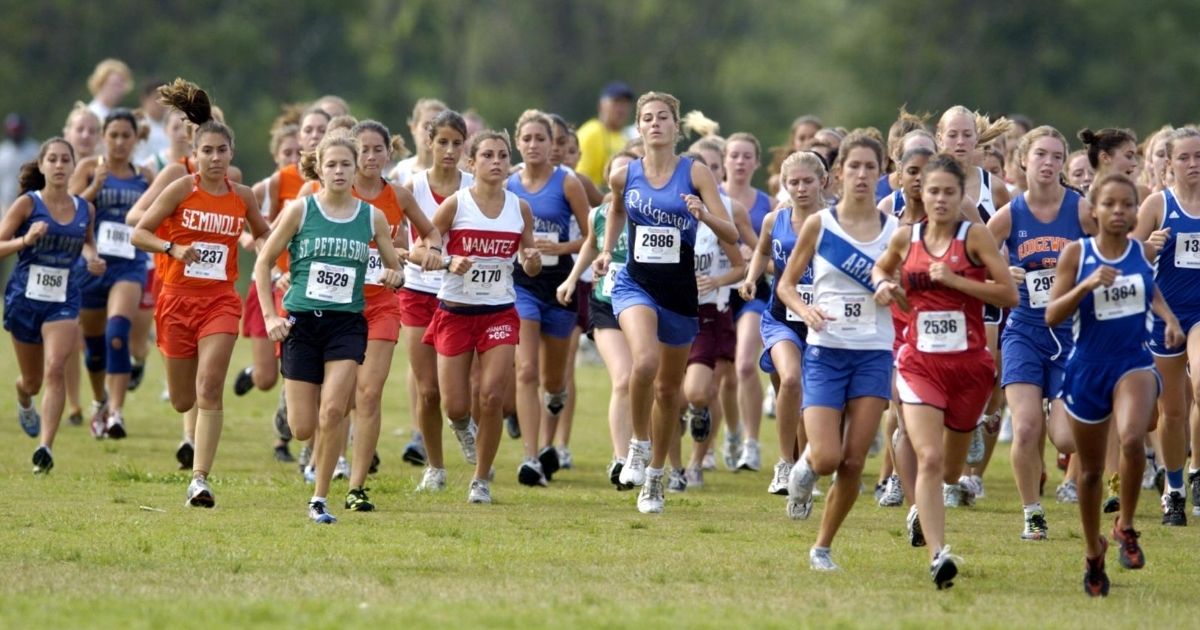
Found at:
<point>80,549</point>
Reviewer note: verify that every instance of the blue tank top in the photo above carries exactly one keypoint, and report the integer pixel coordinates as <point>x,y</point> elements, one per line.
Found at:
<point>1114,321</point>
<point>1035,246</point>
<point>899,201</point>
<point>113,202</point>
<point>783,242</point>
<point>759,211</point>
<point>672,285</point>
<point>1177,269</point>
<point>883,188</point>
<point>551,221</point>
<point>52,260</point>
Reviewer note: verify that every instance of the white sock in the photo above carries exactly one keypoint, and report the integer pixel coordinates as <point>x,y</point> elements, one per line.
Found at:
<point>654,472</point>
<point>642,443</point>
<point>1033,507</point>
<point>317,500</point>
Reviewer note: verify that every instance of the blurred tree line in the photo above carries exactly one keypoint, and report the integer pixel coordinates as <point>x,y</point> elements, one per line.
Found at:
<point>753,65</point>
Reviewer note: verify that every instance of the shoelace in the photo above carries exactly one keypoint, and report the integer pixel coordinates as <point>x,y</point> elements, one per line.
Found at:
<point>317,507</point>
<point>1037,523</point>
<point>1129,538</point>
<point>945,554</point>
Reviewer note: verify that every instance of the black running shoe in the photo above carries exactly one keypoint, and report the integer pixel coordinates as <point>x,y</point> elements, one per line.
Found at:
<point>1130,554</point>
<point>42,461</point>
<point>1194,483</point>
<point>614,472</point>
<point>1112,504</point>
<point>1095,580</point>
<point>76,418</point>
<point>185,455</point>
<point>512,426</point>
<point>374,464</point>
<point>701,424</point>
<point>357,501</point>
<point>943,569</point>
<point>414,452</point>
<point>1174,508</point>
<point>549,459</point>
<point>136,374</point>
<point>283,454</point>
<point>244,382</point>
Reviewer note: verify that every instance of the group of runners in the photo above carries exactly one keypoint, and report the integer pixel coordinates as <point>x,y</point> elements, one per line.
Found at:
<point>922,281</point>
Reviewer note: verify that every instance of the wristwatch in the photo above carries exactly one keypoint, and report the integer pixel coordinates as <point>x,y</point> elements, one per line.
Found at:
<point>167,247</point>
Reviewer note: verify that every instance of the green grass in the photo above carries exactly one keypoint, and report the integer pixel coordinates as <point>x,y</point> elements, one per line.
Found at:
<point>80,548</point>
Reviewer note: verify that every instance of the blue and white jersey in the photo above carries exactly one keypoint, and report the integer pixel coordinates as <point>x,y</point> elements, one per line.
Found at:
<point>783,242</point>
<point>842,287</point>
<point>1177,269</point>
<point>1035,246</point>
<point>662,237</point>
<point>44,270</point>
<point>551,222</point>
<point>1114,321</point>
<point>899,201</point>
<point>114,238</point>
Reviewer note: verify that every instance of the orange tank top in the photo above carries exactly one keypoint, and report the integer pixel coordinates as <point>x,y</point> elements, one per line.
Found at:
<point>211,224</point>
<point>290,183</point>
<point>387,202</point>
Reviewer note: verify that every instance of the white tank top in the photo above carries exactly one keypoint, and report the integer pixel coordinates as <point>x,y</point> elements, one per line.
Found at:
<point>707,252</point>
<point>414,277</point>
<point>842,287</point>
<point>987,205</point>
<point>492,246</point>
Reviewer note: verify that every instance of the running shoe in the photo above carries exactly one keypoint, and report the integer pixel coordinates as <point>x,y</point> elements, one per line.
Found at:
<point>479,492</point>
<point>555,402</point>
<point>30,419</point>
<point>1149,473</point>
<point>414,451</point>
<point>1160,480</point>
<point>957,495</point>
<point>976,450</point>
<point>99,421</point>
<point>305,457</point>
<point>137,371</point>
<point>879,490</point>
<point>614,474</point>
<point>710,460</point>
<point>944,567</point>
<point>318,514</point>
<point>1095,580</point>
<point>676,481</point>
<point>185,455</point>
<point>768,406</point>
<point>1130,555</point>
<point>283,454</point>
<point>433,480</point>
<point>650,499</point>
<point>699,422</point>
<point>1036,527</point>
<point>42,461</point>
<point>199,494</point>
<point>549,460</point>
<point>358,501</point>
<point>820,560</point>
<point>116,426</point>
<point>634,471</point>
<point>973,484</point>
<point>466,440</point>
<point>732,451</point>
<point>893,492</point>
<point>342,469</point>
<point>916,536</point>
<point>565,461</point>
<point>282,429</point>
<point>1113,502</point>
<point>1067,492</point>
<point>76,418</point>
<point>1006,430</point>
<point>779,483</point>
<point>751,458</point>
<point>375,462</point>
<point>244,381</point>
<point>1112,505</point>
<point>1194,484</point>
<point>530,473</point>
<point>1174,508</point>
<point>801,480</point>
<point>1063,461</point>
<point>694,477</point>
<point>512,425</point>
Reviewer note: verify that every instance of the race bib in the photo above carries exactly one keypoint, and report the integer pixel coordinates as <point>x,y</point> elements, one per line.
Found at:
<point>854,315</point>
<point>212,262</point>
<point>330,283</point>
<point>116,239</point>
<point>47,284</point>
<point>806,294</point>
<point>548,260</point>
<point>1187,250</point>
<point>610,278</point>
<point>656,245</point>
<point>486,280</point>
<point>941,331</point>
<point>374,268</point>
<point>1126,296</point>
<point>1038,284</point>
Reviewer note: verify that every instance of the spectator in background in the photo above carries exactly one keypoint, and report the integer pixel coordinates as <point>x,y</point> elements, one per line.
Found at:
<point>16,149</point>
<point>110,82</point>
<point>154,118</point>
<point>604,136</point>
<point>475,122</point>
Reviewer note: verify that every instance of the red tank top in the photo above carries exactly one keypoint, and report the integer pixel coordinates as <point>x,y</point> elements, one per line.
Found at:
<point>211,224</point>
<point>387,202</point>
<point>942,320</point>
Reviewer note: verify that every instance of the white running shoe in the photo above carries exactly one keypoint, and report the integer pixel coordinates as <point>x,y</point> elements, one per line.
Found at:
<point>751,458</point>
<point>694,477</point>
<point>820,560</point>
<point>342,470</point>
<point>801,480</point>
<point>1150,470</point>
<point>893,492</point>
<point>634,471</point>
<point>1006,430</point>
<point>973,484</point>
<point>650,499</point>
<point>466,439</point>
<point>318,514</point>
<point>565,461</point>
<point>732,451</point>
<point>480,492</point>
<point>677,481</point>
<point>977,449</point>
<point>115,429</point>
<point>530,473</point>
<point>199,494</point>
<point>710,461</point>
<point>916,537</point>
<point>30,419</point>
<point>1067,492</point>
<point>433,480</point>
<point>779,483</point>
<point>768,406</point>
<point>955,495</point>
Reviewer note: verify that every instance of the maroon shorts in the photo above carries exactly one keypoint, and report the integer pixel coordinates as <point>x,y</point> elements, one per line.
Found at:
<point>717,338</point>
<point>416,308</point>
<point>583,291</point>
<point>466,329</point>
<point>958,384</point>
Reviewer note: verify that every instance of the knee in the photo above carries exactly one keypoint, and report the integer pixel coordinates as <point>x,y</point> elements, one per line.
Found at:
<point>1133,447</point>
<point>331,415</point>
<point>367,396</point>
<point>644,368</point>
<point>851,468</point>
<point>746,369</point>
<point>931,461</point>
<point>666,394</point>
<point>264,379</point>
<point>527,372</point>
<point>182,402</point>
<point>429,395</point>
<point>620,384</point>
<point>31,384</point>
<point>1025,433</point>
<point>824,463</point>
<point>1090,476</point>
<point>789,383</point>
<point>491,401</point>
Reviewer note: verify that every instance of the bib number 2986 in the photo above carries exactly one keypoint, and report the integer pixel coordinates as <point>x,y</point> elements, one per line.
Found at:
<point>656,245</point>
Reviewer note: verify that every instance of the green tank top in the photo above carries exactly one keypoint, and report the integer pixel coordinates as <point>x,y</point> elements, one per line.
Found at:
<point>329,260</point>
<point>602,286</point>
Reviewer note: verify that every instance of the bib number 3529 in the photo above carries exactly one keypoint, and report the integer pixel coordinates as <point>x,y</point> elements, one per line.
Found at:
<point>658,245</point>
<point>330,283</point>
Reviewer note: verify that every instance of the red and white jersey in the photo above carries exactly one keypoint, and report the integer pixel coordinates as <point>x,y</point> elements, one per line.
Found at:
<point>414,277</point>
<point>942,320</point>
<point>492,246</point>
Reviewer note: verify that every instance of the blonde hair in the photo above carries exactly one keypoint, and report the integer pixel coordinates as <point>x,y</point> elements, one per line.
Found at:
<point>906,123</point>
<point>695,122</point>
<point>670,101</point>
<point>105,69</point>
<point>424,106</point>
<point>80,108</point>
<point>1044,131</point>
<point>280,134</point>
<point>534,116</point>
<point>344,121</point>
<point>310,162</point>
<point>1182,133</point>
